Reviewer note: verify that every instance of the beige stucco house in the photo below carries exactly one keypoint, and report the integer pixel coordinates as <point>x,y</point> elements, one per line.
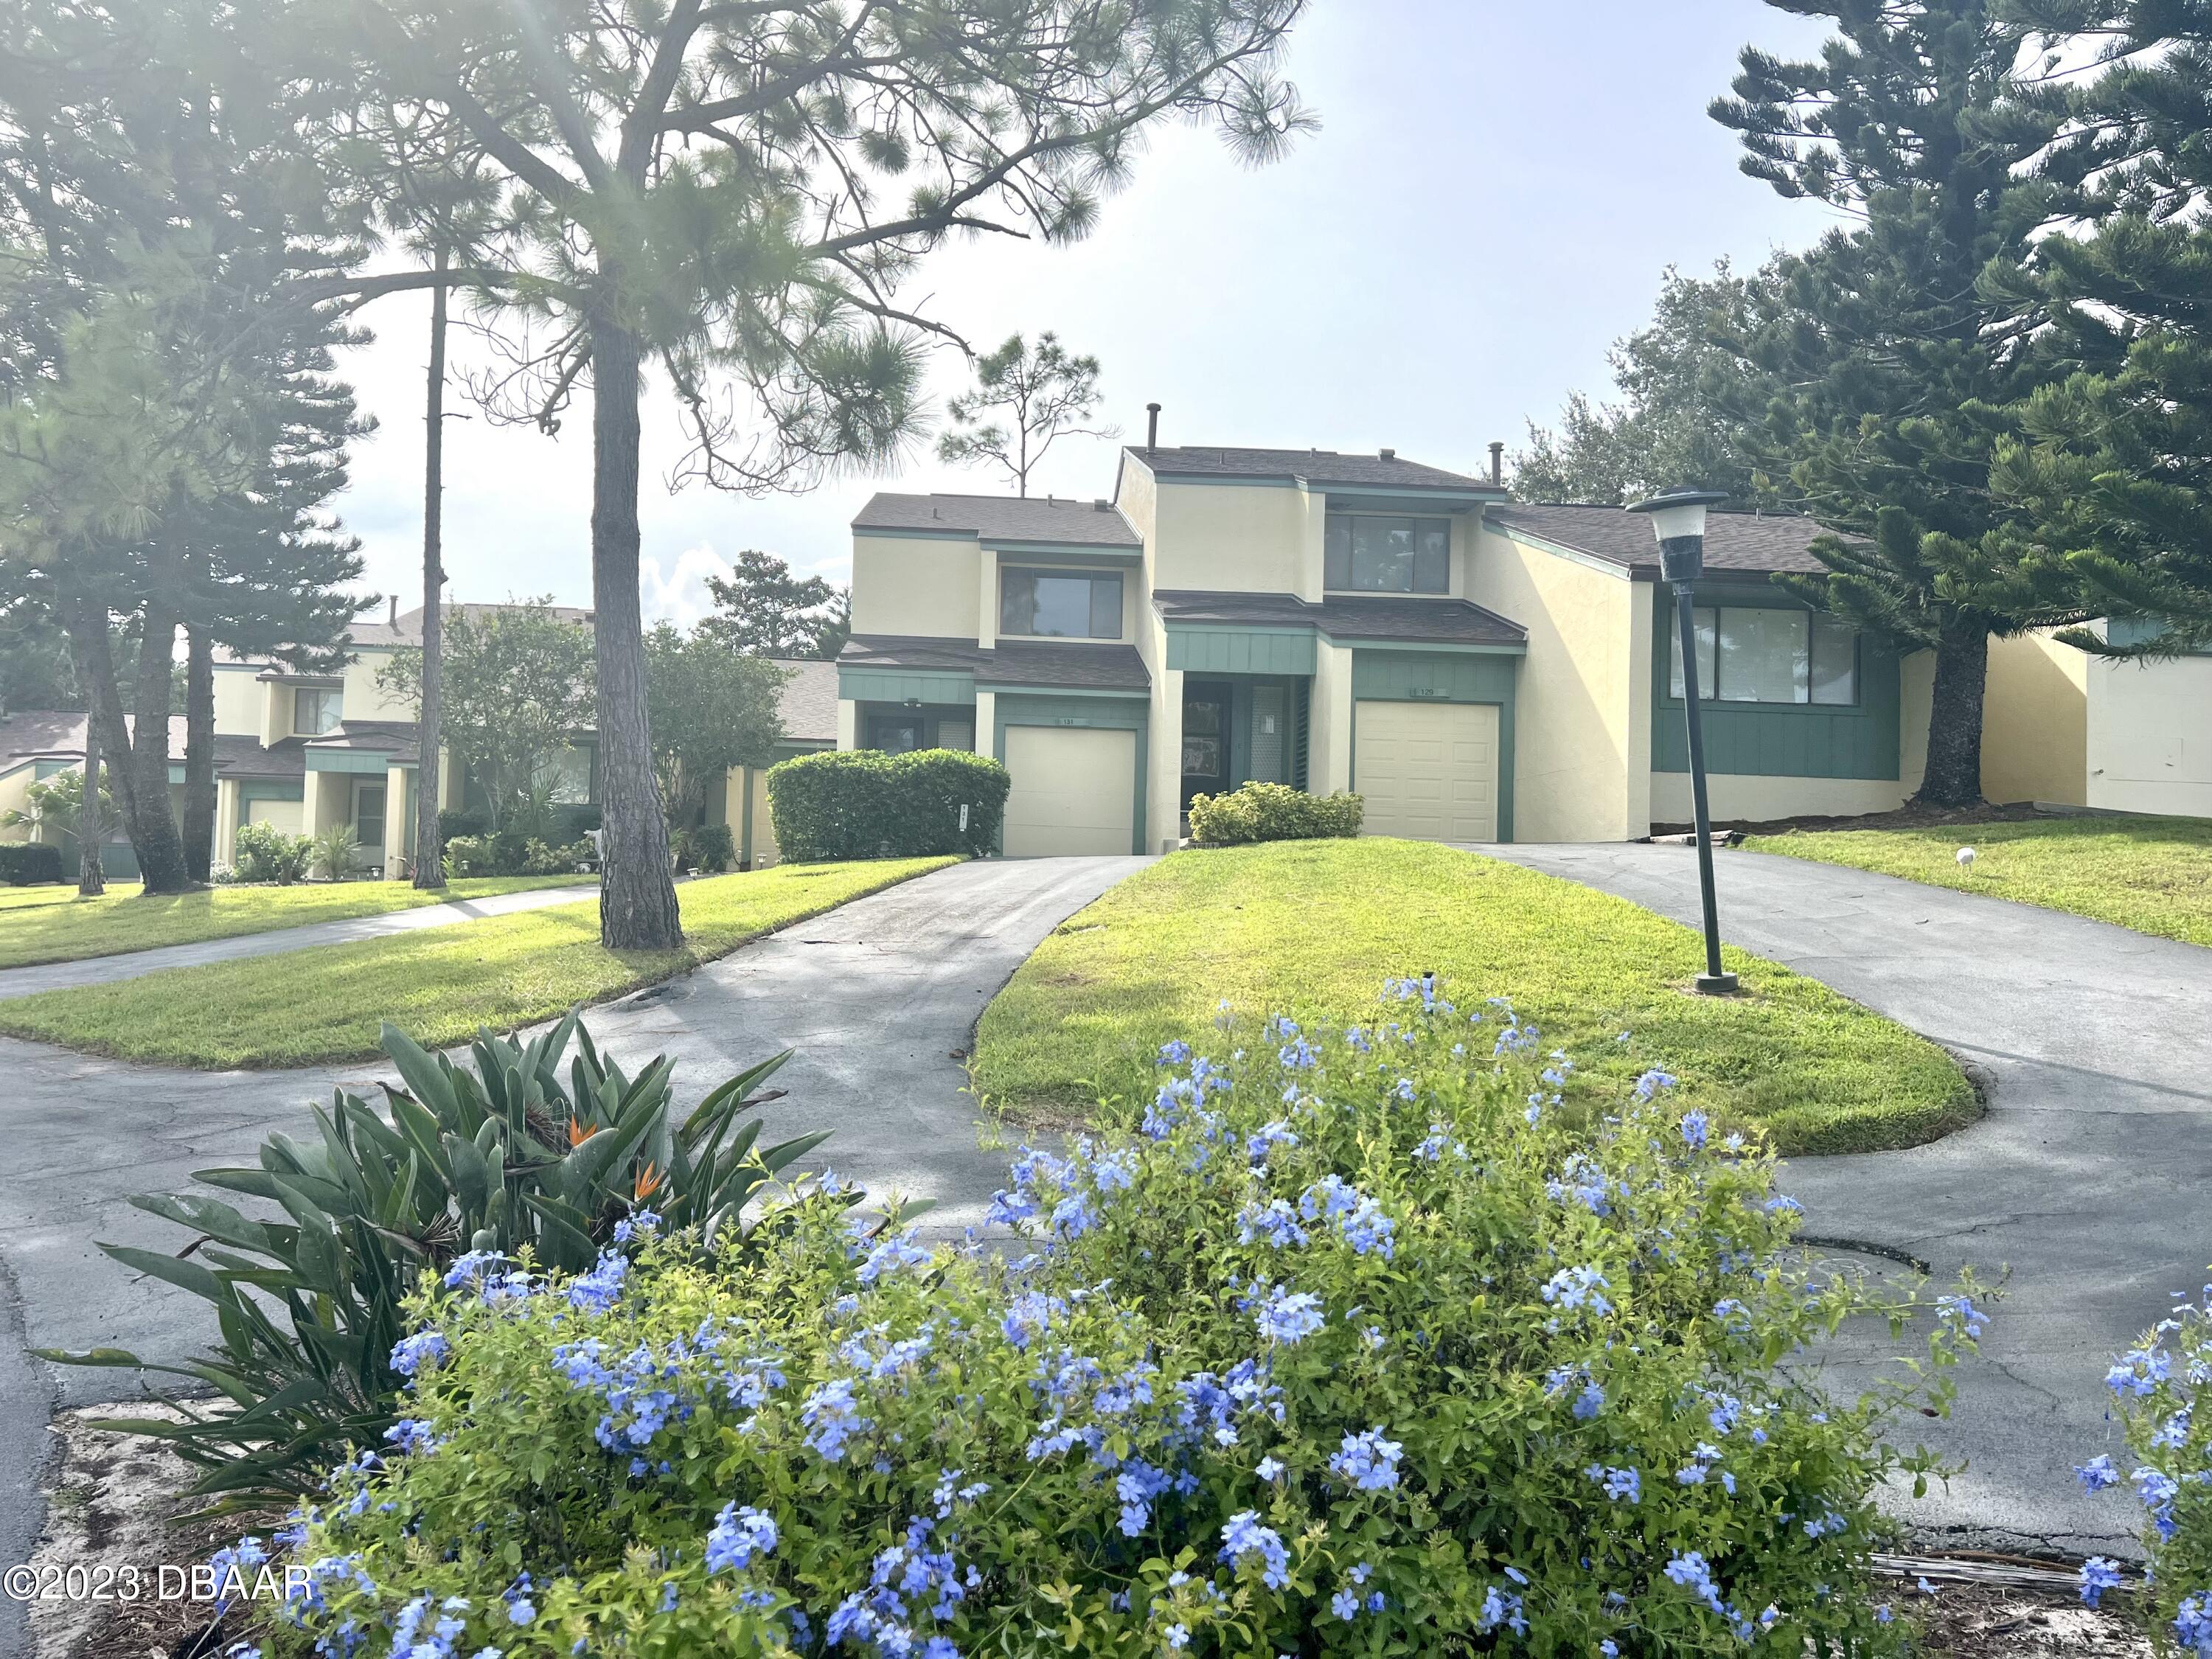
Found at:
<point>2065,728</point>
<point>1479,670</point>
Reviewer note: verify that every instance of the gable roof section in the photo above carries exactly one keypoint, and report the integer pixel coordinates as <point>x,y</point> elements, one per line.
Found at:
<point>1001,518</point>
<point>1748,543</point>
<point>808,700</point>
<point>1017,663</point>
<point>1319,467</point>
<point>1380,618</point>
<point>43,734</point>
<point>407,629</point>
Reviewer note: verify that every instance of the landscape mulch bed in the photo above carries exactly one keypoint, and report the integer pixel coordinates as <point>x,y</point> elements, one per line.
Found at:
<point>112,1497</point>
<point>1905,817</point>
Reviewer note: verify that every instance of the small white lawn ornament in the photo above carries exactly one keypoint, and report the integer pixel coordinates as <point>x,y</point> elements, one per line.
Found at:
<point>1966,857</point>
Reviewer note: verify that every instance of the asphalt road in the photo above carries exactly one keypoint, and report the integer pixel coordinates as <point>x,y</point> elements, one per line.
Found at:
<point>879,999</point>
<point>2087,1178</point>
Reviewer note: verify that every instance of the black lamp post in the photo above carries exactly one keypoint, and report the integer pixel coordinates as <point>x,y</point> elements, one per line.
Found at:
<point>1679,519</point>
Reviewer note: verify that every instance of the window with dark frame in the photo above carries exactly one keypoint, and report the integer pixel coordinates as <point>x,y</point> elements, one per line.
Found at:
<point>1751,655</point>
<point>315,710</point>
<point>1379,553</point>
<point>1068,604</point>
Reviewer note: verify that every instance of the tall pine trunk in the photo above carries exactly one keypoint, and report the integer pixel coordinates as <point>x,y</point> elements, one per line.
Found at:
<point>153,826</point>
<point>637,895</point>
<point>142,795</point>
<point>199,753</point>
<point>1955,716</point>
<point>91,876</point>
<point>429,846</point>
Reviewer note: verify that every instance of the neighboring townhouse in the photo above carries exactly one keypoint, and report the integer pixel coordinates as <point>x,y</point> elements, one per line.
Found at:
<point>2063,728</point>
<point>300,751</point>
<point>1479,670</point>
<point>807,706</point>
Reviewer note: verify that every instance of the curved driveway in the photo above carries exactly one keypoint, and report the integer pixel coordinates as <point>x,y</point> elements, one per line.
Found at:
<point>879,998</point>
<point>2089,1178</point>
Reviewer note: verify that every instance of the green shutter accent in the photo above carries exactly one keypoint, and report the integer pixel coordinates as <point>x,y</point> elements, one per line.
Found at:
<point>1301,733</point>
<point>1777,739</point>
<point>348,760</point>
<point>270,789</point>
<point>900,685</point>
<point>1242,650</point>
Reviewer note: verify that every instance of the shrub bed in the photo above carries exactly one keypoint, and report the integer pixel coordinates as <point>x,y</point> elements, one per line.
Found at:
<point>2164,1388</point>
<point>861,804</point>
<point>1360,1345</point>
<point>513,853</point>
<point>29,863</point>
<point>1272,811</point>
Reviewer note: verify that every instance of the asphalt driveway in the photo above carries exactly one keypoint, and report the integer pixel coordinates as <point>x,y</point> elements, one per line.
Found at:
<point>879,998</point>
<point>2087,1178</point>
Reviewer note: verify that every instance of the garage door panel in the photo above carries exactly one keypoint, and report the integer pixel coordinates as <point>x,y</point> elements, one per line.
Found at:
<point>1429,771</point>
<point>1074,791</point>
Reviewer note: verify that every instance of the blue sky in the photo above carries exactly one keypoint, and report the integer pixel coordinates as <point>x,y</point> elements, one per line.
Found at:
<point>1489,202</point>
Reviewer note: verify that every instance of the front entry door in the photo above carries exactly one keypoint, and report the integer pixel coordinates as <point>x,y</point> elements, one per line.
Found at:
<point>894,734</point>
<point>1205,741</point>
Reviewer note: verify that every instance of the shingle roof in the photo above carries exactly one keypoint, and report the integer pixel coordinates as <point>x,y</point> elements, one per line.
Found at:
<point>1439,622</point>
<point>1012,663</point>
<point>243,758</point>
<point>41,734</point>
<point>1754,543</point>
<point>1003,517</point>
<point>408,629</point>
<point>401,740</point>
<point>1314,466</point>
<point>808,701</point>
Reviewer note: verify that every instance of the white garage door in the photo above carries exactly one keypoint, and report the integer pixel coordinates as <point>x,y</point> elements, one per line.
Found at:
<point>1429,770</point>
<point>285,815</point>
<point>1074,791</point>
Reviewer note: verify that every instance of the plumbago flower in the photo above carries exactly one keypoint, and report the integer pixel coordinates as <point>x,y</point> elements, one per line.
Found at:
<point>2162,1391</point>
<point>1224,1390</point>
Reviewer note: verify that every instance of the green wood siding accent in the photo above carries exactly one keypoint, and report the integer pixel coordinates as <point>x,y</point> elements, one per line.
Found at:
<point>1777,739</point>
<point>896,685</point>
<point>270,789</point>
<point>347,760</point>
<point>1242,650</point>
<point>1398,675</point>
<point>1118,715</point>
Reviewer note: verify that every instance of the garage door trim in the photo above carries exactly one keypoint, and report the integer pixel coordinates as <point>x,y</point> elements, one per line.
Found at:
<point>1504,708</point>
<point>1101,712</point>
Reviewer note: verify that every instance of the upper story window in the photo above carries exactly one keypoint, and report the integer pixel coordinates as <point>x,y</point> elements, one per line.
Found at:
<point>1066,605</point>
<point>315,711</point>
<point>1750,655</point>
<point>1367,553</point>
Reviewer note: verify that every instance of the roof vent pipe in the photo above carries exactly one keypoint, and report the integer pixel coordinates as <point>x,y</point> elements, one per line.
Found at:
<point>395,611</point>
<point>1389,454</point>
<point>1153,429</point>
<point>1497,464</point>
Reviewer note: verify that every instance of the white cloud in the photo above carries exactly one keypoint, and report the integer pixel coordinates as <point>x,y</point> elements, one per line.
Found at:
<point>679,594</point>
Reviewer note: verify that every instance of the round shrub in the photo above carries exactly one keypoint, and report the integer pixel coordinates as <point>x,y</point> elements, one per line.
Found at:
<point>2164,1389</point>
<point>1369,1342</point>
<point>1272,811</point>
<point>863,804</point>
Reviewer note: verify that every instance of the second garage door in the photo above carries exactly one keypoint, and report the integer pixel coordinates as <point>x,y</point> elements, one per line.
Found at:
<point>1074,791</point>
<point>1429,770</point>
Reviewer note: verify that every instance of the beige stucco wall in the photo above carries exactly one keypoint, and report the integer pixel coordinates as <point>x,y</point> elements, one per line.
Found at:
<point>2035,722</point>
<point>1915,676</point>
<point>1582,742</point>
<point>16,797</point>
<point>1240,538</point>
<point>916,584</point>
<point>364,699</point>
<point>2150,736</point>
<point>240,701</point>
<point>1739,797</point>
<point>1328,746</point>
<point>224,848</point>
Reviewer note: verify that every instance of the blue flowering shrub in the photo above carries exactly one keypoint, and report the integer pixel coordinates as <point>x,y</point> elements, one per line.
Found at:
<point>1359,1346</point>
<point>2160,1384</point>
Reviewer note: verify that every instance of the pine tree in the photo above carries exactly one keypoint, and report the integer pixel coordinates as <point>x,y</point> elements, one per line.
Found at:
<point>1929,122</point>
<point>1043,394</point>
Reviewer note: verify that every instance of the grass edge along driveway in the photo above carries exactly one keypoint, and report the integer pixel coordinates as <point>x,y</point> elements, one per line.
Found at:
<point>325,1003</point>
<point>2150,875</point>
<point>40,925</point>
<point>1312,929</point>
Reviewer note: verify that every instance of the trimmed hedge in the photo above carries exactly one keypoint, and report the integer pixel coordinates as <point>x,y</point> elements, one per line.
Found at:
<point>859,803</point>
<point>1272,811</point>
<point>29,863</point>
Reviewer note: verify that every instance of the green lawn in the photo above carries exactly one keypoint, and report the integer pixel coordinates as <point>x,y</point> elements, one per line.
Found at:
<point>53,924</point>
<point>2154,875</point>
<point>325,1003</point>
<point>1313,928</point>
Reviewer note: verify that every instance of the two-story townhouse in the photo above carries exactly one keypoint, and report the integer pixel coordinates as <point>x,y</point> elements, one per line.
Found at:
<point>1479,670</point>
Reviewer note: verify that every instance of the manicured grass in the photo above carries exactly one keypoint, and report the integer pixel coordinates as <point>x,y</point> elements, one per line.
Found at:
<point>326,1004</point>
<point>2154,875</point>
<point>53,924</point>
<point>1313,928</point>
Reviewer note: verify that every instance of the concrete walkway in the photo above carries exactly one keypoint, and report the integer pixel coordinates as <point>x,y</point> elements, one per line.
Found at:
<point>130,965</point>
<point>2087,1178</point>
<point>879,998</point>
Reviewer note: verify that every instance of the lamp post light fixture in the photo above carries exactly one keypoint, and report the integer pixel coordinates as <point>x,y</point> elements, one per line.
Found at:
<point>1679,520</point>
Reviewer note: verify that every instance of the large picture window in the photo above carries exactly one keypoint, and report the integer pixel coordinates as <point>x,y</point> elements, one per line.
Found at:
<point>315,712</point>
<point>1746,654</point>
<point>1060,603</point>
<point>1365,553</point>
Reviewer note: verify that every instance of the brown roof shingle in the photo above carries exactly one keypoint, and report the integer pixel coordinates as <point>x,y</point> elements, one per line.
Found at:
<point>1052,666</point>
<point>1753,544</point>
<point>1408,620</point>
<point>1003,517</point>
<point>1312,466</point>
